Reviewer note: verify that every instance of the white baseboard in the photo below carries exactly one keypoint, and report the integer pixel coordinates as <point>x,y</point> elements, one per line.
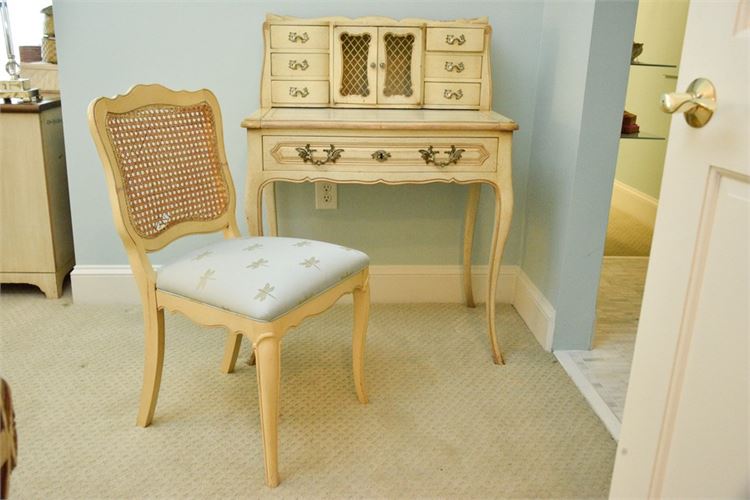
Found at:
<point>388,284</point>
<point>635,203</point>
<point>535,309</point>
<point>604,412</point>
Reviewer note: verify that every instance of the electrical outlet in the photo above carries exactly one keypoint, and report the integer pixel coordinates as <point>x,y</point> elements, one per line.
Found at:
<point>326,196</point>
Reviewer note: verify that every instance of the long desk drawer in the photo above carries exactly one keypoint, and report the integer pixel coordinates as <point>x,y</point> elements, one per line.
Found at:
<point>384,154</point>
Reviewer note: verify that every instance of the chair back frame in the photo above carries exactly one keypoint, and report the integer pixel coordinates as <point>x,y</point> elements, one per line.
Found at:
<point>136,245</point>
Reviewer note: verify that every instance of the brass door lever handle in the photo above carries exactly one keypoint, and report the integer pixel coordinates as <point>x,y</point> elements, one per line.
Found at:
<point>698,103</point>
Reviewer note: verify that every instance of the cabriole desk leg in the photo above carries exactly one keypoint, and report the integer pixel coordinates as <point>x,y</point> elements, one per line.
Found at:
<point>501,227</point>
<point>472,204</point>
<point>253,206</point>
<point>269,197</point>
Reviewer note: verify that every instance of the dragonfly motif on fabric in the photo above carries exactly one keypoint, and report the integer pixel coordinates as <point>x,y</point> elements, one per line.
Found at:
<point>302,244</point>
<point>258,263</point>
<point>252,247</point>
<point>311,262</point>
<point>203,280</point>
<point>202,255</point>
<point>265,292</point>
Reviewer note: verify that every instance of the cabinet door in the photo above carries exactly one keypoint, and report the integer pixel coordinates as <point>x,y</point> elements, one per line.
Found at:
<point>400,65</point>
<point>355,65</point>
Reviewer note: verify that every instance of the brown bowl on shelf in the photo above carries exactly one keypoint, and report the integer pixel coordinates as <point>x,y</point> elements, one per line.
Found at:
<point>636,51</point>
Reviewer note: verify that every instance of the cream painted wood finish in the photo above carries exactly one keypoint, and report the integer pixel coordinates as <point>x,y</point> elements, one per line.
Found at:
<point>36,237</point>
<point>299,65</point>
<point>460,140</point>
<point>355,83</point>
<point>686,426</point>
<point>455,39</point>
<point>378,62</point>
<point>391,60</point>
<point>464,142</point>
<point>265,336</point>
<point>451,66</point>
<point>300,92</point>
<point>480,154</point>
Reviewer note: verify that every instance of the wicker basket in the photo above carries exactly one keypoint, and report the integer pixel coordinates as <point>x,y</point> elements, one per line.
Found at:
<point>49,21</point>
<point>49,49</point>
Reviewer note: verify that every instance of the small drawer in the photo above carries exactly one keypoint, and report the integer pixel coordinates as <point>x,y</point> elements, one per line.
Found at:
<point>299,37</point>
<point>453,66</point>
<point>299,92</point>
<point>451,93</point>
<point>302,65</point>
<point>455,39</point>
<point>379,154</point>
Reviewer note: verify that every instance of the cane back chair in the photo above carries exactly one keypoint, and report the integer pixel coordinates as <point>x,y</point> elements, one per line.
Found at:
<point>167,177</point>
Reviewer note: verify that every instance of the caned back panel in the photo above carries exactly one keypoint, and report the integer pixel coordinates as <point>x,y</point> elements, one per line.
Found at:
<point>169,163</point>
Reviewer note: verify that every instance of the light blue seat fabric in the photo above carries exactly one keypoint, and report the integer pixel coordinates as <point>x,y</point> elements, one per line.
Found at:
<point>261,277</point>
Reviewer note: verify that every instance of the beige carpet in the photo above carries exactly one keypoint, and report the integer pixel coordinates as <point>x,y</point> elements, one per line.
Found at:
<point>626,236</point>
<point>443,421</point>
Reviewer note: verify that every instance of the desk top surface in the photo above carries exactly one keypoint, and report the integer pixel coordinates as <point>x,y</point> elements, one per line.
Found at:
<point>378,119</point>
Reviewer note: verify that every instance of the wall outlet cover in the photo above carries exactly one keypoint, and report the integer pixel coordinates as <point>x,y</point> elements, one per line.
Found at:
<point>326,196</point>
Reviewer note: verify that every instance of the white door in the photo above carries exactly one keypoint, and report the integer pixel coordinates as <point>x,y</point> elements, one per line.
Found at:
<point>685,427</point>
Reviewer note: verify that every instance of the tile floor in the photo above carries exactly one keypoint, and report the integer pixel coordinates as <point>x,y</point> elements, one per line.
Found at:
<point>605,369</point>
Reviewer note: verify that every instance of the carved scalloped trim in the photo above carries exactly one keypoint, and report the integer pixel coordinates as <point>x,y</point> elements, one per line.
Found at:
<point>375,20</point>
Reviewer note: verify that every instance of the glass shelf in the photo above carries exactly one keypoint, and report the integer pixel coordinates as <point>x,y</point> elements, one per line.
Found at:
<point>642,136</point>
<point>653,65</point>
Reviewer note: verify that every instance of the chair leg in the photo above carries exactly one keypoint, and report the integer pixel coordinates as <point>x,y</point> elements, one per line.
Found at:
<point>154,322</point>
<point>231,350</point>
<point>268,359</point>
<point>361,316</point>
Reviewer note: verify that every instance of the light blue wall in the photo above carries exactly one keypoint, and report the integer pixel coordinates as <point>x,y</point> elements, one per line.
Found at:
<point>585,54</point>
<point>105,47</point>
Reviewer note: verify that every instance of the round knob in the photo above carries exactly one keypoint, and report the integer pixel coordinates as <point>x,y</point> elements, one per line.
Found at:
<point>382,65</point>
<point>373,65</point>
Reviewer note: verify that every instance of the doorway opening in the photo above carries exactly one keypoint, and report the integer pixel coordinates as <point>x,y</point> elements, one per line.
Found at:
<point>602,373</point>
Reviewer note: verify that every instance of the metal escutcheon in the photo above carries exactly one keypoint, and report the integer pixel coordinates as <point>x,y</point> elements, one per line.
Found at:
<point>381,155</point>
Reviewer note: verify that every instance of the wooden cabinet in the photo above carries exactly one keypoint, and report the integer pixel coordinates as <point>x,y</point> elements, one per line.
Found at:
<point>377,65</point>
<point>376,62</point>
<point>36,239</point>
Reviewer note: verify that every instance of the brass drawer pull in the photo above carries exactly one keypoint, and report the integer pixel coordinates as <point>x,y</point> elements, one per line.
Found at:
<point>293,64</point>
<point>332,155</point>
<point>295,92</point>
<point>450,94</point>
<point>381,155</point>
<point>294,37</point>
<point>453,39</point>
<point>449,66</point>
<point>428,155</point>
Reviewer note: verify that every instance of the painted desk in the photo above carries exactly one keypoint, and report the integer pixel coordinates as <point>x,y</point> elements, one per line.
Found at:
<point>388,146</point>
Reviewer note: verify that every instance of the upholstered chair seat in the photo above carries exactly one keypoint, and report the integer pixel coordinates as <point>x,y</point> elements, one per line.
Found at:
<point>261,278</point>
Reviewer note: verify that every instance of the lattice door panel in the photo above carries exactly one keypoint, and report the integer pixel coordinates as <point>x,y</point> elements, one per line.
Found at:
<point>398,56</point>
<point>400,65</point>
<point>355,50</point>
